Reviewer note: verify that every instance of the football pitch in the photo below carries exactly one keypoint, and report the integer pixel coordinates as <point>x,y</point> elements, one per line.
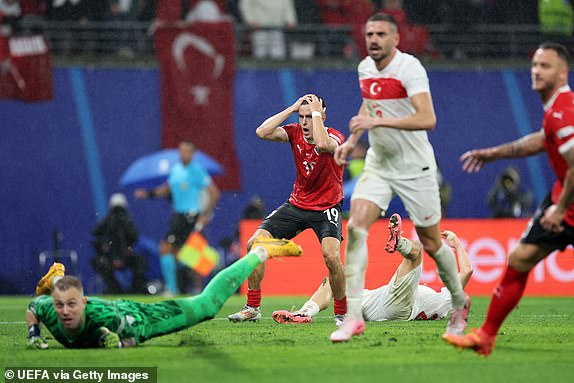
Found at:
<point>536,344</point>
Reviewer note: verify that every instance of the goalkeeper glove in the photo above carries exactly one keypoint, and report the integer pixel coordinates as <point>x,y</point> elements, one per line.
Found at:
<point>34,338</point>
<point>110,340</point>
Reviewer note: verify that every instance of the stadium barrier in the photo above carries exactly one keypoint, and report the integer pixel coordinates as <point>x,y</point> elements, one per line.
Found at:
<point>488,242</point>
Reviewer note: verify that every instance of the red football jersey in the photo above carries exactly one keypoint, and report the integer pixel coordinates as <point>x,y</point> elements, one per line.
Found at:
<point>558,125</point>
<point>319,182</point>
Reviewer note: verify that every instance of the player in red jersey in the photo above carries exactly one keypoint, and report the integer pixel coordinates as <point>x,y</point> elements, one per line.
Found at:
<point>552,227</point>
<point>315,201</point>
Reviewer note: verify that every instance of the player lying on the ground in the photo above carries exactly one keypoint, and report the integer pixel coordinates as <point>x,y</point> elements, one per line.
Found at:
<point>404,298</point>
<point>77,321</point>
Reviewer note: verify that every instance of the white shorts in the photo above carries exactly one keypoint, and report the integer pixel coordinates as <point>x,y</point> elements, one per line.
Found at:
<point>420,195</point>
<point>393,301</point>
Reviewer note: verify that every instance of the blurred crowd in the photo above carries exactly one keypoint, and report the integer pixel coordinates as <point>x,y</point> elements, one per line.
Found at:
<point>306,11</point>
<point>273,27</point>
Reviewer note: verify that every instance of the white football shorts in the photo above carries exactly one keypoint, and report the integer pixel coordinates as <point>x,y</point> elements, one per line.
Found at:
<point>420,195</point>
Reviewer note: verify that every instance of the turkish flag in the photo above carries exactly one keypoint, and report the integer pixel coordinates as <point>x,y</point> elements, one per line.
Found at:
<point>197,71</point>
<point>25,69</point>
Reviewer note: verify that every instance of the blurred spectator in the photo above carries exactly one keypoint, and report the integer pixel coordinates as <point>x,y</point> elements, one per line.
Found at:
<point>414,39</point>
<point>114,238</point>
<point>76,10</point>
<point>345,12</point>
<point>179,13</point>
<point>255,209</point>
<point>231,246</point>
<point>423,12</point>
<point>510,11</point>
<point>506,199</point>
<point>205,11</point>
<point>267,21</point>
<point>10,13</point>
<point>307,12</point>
<point>124,40</point>
<point>146,10</point>
<point>33,7</point>
<point>78,13</point>
<point>123,10</point>
<point>556,18</point>
<point>303,45</point>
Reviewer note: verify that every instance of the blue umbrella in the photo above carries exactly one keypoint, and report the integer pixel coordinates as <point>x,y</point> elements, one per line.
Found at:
<point>153,169</point>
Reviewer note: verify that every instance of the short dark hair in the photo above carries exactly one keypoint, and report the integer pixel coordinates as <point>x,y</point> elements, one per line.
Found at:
<point>381,16</point>
<point>67,282</point>
<point>560,50</point>
<point>321,99</point>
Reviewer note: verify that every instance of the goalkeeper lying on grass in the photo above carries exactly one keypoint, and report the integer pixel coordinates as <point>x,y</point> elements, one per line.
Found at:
<point>77,321</point>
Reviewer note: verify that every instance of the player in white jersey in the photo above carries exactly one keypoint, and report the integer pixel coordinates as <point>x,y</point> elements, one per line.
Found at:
<point>397,110</point>
<point>403,298</point>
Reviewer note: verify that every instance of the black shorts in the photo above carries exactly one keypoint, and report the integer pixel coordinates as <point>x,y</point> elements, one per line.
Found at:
<point>287,221</point>
<point>180,226</point>
<point>535,234</point>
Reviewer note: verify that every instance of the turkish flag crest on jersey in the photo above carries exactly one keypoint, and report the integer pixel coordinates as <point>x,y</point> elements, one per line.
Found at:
<point>382,88</point>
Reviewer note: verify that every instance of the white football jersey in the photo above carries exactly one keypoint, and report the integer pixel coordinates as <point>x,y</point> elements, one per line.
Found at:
<point>431,305</point>
<point>397,153</point>
<point>428,304</point>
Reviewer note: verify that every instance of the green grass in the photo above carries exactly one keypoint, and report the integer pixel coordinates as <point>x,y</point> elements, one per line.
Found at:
<point>536,345</point>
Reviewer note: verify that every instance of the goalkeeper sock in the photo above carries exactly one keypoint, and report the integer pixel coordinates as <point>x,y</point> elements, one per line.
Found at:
<point>207,304</point>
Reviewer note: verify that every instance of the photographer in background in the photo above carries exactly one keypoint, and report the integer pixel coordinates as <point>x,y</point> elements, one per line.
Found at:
<point>506,198</point>
<point>114,238</point>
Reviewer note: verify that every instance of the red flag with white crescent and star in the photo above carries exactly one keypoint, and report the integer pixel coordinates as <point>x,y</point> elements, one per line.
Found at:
<point>197,72</point>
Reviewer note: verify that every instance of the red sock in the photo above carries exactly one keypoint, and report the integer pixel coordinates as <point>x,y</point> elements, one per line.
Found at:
<point>506,296</point>
<point>254,298</point>
<point>340,306</point>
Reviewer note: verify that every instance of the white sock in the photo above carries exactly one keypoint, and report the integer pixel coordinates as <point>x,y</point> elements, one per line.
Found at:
<point>260,252</point>
<point>355,269</point>
<point>448,273</point>
<point>310,309</point>
<point>405,246</point>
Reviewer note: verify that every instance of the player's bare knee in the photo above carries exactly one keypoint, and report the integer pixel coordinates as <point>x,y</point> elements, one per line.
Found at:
<point>332,261</point>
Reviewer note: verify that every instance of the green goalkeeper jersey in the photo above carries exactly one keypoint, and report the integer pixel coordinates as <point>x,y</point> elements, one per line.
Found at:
<point>128,319</point>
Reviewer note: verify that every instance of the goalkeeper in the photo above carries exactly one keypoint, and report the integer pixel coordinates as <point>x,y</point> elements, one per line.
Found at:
<point>77,321</point>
